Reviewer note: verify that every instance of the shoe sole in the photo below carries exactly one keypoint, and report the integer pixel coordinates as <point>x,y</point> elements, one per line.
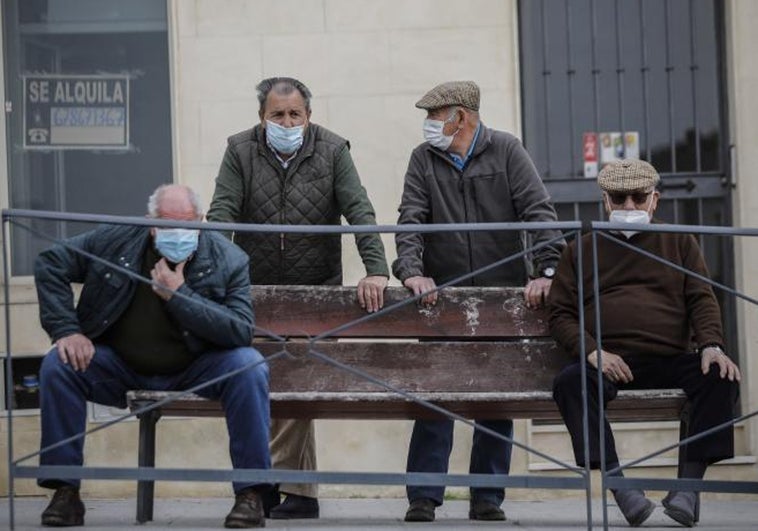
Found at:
<point>243,524</point>
<point>681,517</point>
<point>644,515</point>
<point>293,516</point>
<point>487,518</point>
<point>54,521</point>
<point>419,519</point>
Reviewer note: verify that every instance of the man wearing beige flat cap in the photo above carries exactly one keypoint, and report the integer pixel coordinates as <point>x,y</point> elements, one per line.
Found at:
<point>466,172</point>
<point>660,328</point>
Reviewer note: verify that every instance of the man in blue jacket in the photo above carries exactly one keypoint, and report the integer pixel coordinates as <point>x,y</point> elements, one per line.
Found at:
<point>192,324</point>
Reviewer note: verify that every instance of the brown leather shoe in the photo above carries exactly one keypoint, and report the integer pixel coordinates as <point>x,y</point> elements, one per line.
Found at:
<point>247,510</point>
<point>65,509</point>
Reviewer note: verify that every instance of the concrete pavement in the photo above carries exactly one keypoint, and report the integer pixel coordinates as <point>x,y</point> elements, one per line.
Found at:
<point>740,514</point>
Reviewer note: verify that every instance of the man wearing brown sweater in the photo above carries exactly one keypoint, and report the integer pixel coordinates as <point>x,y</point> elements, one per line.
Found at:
<point>660,328</point>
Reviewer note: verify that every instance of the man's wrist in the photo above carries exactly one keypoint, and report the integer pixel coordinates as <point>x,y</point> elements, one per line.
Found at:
<point>545,269</point>
<point>716,346</point>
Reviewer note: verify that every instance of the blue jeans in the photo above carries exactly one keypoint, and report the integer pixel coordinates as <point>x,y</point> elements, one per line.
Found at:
<point>431,444</point>
<point>65,392</point>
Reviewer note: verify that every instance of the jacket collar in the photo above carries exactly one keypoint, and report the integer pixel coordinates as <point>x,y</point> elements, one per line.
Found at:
<point>482,142</point>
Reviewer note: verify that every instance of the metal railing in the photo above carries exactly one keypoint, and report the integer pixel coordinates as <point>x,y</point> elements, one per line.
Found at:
<point>581,482</point>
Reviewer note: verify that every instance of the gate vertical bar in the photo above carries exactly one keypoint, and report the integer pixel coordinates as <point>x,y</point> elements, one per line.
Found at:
<point>644,71</point>
<point>669,83</point>
<point>545,85</point>
<point>570,73</point>
<point>693,80</point>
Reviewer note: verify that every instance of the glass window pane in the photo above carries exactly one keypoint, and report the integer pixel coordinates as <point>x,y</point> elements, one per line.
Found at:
<point>90,129</point>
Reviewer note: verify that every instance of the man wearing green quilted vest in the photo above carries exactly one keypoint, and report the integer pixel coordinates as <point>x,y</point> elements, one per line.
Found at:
<point>287,170</point>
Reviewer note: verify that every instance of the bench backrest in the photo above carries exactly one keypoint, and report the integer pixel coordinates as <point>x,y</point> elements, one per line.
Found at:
<point>480,352</point>
<point>472,340</point>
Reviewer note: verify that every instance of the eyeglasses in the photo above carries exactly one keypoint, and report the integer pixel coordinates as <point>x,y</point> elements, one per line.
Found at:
<point>619,198</point>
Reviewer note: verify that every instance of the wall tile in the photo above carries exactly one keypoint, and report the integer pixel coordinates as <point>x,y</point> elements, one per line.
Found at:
<point>222,68</point>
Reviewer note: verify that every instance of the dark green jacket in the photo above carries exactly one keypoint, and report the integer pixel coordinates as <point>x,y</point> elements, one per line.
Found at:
<point>320,186</point>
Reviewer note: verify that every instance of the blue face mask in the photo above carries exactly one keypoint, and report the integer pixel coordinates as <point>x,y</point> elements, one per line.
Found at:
<point>285,140</point>
<point>176,245</point>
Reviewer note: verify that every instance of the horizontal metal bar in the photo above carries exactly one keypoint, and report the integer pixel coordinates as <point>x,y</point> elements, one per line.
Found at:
<point>296,229</point>
<point>299,476</point>
<point>698,485</point>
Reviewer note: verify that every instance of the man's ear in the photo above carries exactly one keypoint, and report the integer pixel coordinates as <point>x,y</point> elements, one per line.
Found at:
<point>654,202</point>
<point>606,203</point>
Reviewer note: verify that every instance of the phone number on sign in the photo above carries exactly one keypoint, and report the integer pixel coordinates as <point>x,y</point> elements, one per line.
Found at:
<point>87,116</point>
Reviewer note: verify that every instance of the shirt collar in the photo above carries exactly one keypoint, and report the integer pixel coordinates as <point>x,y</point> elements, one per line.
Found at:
<point>459,162</point>
<point>284,163</point>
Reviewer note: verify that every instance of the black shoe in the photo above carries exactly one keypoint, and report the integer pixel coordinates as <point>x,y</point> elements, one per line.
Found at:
<point>65,509</point>
<point>295,507</point>
<point>484,510</point>
<point>421,510</point>
<point>270,499</point>
<point>633,504</point>
<point>247,510</point>
<point>683,507</point>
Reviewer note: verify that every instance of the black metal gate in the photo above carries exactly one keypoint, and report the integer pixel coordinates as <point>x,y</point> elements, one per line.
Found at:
<point>651,67</point>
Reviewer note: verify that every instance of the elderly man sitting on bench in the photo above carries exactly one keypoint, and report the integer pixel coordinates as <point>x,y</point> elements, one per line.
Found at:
<point>191,325</point>
<point>652,316</point>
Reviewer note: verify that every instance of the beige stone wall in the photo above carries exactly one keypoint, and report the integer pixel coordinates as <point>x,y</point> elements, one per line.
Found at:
<point>742,68</point>
<point>367,62</point>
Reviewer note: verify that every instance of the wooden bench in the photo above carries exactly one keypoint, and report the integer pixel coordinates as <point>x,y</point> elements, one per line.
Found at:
<point>479,353</point>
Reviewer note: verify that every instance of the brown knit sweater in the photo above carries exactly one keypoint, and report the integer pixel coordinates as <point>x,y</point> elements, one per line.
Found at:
<point>647,308</point>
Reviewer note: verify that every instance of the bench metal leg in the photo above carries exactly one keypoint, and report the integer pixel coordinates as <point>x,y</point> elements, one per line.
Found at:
<point>146,458</point>
<point>684,432</point>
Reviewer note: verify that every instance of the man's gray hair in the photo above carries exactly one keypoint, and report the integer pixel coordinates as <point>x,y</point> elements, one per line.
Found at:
<point>283,86</point>
<point>155,198</point>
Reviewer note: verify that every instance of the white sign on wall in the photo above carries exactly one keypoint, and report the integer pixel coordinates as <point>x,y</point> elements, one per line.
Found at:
<point>76,112</point>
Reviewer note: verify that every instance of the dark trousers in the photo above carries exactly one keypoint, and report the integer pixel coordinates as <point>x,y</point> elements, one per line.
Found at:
<point>711,399</point>
<point>432,442</point>
<point>64,393</point>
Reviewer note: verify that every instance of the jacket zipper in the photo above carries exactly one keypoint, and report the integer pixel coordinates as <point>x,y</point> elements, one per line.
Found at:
<point>461,185</point>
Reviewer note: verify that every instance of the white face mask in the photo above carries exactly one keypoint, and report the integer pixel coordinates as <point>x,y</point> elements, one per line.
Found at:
<point>641,217</point>
<point>434,135</point>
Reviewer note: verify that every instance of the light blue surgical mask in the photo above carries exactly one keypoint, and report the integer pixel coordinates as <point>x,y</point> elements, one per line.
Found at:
<point>285,140</point>
<point>176,245</point>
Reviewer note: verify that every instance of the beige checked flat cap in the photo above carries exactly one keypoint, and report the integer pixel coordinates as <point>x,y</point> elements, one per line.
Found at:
<point>463,93</point>
<point>627,176</point>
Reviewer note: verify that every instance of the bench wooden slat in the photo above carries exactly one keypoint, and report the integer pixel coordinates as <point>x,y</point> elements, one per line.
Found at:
<point>474,313</point>
<point>659,404</point>
<point>480,366</point>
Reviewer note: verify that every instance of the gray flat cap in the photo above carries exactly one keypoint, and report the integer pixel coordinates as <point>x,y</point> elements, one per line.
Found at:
<point>627,176</point>
<point>463,93</point>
